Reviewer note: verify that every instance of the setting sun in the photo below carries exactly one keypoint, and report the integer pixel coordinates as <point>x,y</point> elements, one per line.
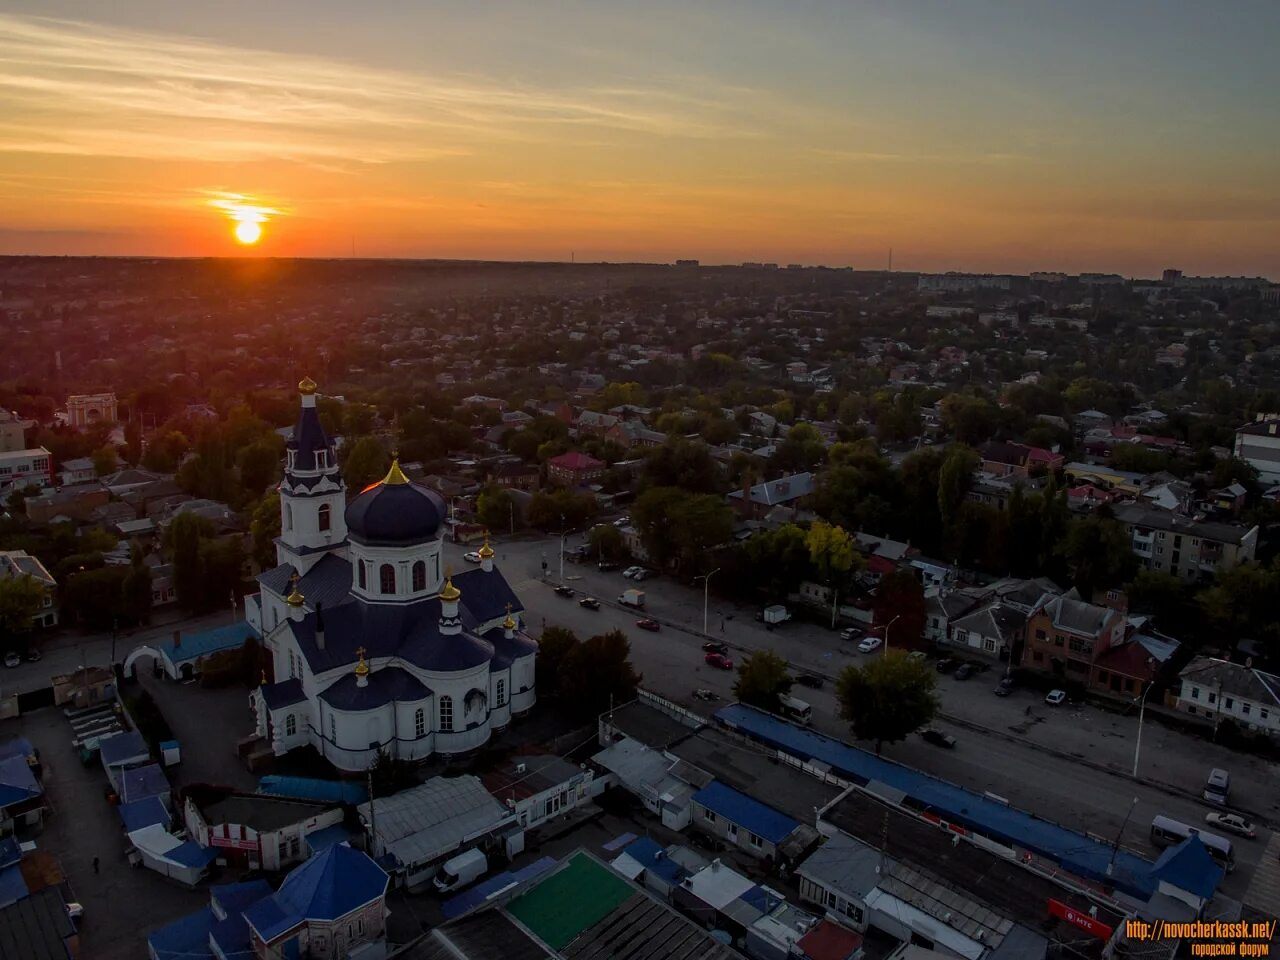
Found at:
<point>248,232</point>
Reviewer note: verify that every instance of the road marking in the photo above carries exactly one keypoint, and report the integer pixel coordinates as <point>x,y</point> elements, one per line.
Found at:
<point>1264,889</point>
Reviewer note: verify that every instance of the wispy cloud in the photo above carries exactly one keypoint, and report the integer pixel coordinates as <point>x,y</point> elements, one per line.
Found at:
<point>75,88</point>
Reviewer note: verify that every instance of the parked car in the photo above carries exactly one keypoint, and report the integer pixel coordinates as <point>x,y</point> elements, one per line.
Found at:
<point>622,522</point>
<point>713,646</point>
<point>641,574</point>
<point>1005,687</point>
<point>471,556</point>
<point>947,664</point>
<point>964,671</point>
<point>917,655</point>
<point>631,572</point>
<point>938,738</point>
<point>649,624</point>
<point>563,591</point>
<point>868,644</point>
<point>705,695</point>
<point>718,660</point>
<point>810,680</point>
<point>1232,823</point>
<point>591,603</point>
<point>851,633</point>
<point>1055,697</point>
<point>33,655</point>
<point>606,566</point>
<point>11,659</point>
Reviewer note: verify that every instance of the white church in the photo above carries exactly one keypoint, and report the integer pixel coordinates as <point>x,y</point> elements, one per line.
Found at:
<point>372,645</point>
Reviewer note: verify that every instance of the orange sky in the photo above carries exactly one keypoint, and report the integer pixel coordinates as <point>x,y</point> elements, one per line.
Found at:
<point>725,133</point>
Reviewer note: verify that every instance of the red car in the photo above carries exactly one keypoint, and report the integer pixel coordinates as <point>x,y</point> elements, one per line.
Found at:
<point>719,660</point>
<point>648,624</point>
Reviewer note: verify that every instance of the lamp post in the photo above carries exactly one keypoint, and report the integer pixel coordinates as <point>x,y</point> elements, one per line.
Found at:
<point>1142,707</point>
<point>886,634</point>
<point>706,588</point>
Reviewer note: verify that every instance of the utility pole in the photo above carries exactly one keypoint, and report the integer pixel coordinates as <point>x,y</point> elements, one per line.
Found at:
<point>511,509</point>
<point>1115,847</point>
<point>706,588</point>
<point>1142,707</point>
<point>886,634</point>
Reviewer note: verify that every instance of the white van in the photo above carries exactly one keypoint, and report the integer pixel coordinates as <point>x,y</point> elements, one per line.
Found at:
<point>1217,787</point>
<point>794,709</point>
<point>461,870</point>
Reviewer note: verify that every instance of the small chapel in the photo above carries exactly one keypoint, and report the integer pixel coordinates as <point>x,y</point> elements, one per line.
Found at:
<point>372,644</point>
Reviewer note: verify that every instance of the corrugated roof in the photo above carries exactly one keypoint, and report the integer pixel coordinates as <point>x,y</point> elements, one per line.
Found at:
<point>332,884</point>
<point>747,812</point>
<point>1076,852</point>
<point>196,645</point>
<point>422,823</point>
<point>184,939</point>
<point>143,813</point>
<point>123,748</point>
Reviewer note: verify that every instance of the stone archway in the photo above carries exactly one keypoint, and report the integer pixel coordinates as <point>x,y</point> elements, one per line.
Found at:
<point>130,662</point>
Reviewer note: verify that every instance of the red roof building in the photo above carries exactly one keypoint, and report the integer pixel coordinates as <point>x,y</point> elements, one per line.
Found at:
<point>830,941</point>
<point>574,469</point>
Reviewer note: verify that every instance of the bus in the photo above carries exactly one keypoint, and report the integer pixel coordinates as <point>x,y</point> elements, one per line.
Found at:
<point>1165,832</point>
<point>794,709</point>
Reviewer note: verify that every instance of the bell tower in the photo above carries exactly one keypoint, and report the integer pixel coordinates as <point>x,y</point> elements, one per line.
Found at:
<point>312,494</point>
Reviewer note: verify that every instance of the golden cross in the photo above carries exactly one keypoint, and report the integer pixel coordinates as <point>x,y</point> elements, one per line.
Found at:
<point>360,652</point>
<point>508,609</point>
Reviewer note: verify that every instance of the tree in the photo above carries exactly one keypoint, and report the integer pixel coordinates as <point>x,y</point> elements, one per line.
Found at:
<point>762,678</point>
<point>259,465</point>
<point>553,510</point>
<point>165,450</point>
<point>20,599</point>
<point>887,698</point>
<point>607,542</point>
<point>971,419</point>
<point>183,538</point>
<point>801,451</point>
<point>265,527</point>
<point>682,463</point>
<point>954,480</point>
<point>1239,606</point>
<point>366,463</point>
<point>597,674</point>
<point>137,588</point>
<point>680,527</point>
<point>1167,598</point>
<point>357,420</point>
<point>554,646</point>
<point>901,596</point>
<point>1098,554</point>
<point>495,508</point>
<point>105,461</point>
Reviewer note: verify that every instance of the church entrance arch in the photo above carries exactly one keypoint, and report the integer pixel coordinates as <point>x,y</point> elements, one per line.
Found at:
<point>131,661</point>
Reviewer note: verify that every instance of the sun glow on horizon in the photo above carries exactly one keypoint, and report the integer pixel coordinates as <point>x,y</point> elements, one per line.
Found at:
<point>248,232</point>
<point>247,217</point>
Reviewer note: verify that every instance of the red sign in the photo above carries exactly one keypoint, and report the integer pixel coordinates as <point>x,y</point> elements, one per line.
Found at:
<point>1080,919</point>
<point>232,843</point>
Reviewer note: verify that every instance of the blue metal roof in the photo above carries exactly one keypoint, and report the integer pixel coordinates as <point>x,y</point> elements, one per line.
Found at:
<point>309,788</point>
<point>232,937</point>
<point>17,782</point>
<point>17,747</point>
<point>747,812</point>
<point>144,813</point>
<point>184,939</point>
<point>238,897</point>
<point>321,840</point>
<point>10,852</point>
<point>13,887</point>
<point>195,645</point>
<point>332,884</point>
<point>1188,866</point>
<point>270,919</point>
<point>328,582</point>
<point>651,856</point>
<point>383,686</point>
<point>191,854</point>
<point>1076,852</point>
<point>139,783</point>
<point>485,595</point>
<point>123,748</point>
<point>481,892</point>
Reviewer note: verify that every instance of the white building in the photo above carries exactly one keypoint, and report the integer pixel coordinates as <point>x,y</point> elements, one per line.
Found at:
<point>373,646</point>
<point>1258,444</point>
<point>25,468</point>
<point>1218,689</point>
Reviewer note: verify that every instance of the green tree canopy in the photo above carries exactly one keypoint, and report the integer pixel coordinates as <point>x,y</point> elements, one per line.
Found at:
<point>555,644</point>
<point>366,463</point>
<point>888,697</point>
<point>495,508</point>
<point>762,677</point>
<point>684,464</point>
<point>20,599</point>
<point>597,674</point>
<point>678,526</point>
<point>607,542</point>
<point>264,528</point>
<point>105,461</point>
<point>552,510</point>
<point>1098,554</point>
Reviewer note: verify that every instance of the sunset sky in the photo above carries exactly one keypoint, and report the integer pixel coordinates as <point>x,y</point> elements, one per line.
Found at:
<point>971,135</point>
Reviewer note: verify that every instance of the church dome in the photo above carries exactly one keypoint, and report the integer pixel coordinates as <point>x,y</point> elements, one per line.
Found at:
<point>395,512</point>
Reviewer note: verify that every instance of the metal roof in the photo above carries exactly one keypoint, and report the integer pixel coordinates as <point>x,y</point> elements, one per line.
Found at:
<point>423,823</point>
<point>747,812</point>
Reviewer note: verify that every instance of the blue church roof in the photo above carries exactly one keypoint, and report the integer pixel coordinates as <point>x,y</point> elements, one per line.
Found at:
<point>384,686</point>
<point>395,514</point>
<point>1188,866</point>
<point>196,645</point>
<point>237,897</point>
<point>309,439</point>
<point>286,693</point>
<point>328,581</point>
<point>1076,852</point>
<point>331,884</point>
<point>747,812</point>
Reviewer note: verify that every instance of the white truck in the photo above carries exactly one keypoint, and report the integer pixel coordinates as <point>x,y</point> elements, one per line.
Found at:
<point>774,615</point>
<point>461,870</point>
<point>632,598</point>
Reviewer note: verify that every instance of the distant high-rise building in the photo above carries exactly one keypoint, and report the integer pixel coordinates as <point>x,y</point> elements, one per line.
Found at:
<point>1171,276</point>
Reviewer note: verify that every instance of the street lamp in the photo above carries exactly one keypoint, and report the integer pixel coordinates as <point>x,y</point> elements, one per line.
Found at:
<point>886,633</point>
<point>1142,708</point>
<point>706,587</point>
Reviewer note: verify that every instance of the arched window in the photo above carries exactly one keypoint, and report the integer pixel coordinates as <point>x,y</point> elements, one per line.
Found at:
<point>361,575</point>
<point>502,693</point>
<point>288,516</point>
<point>324,516</point>
<point>290,725</point>
<point>387,578</point>
<point>419,576</point>
<point>446,713</point>
<point>420,722</point>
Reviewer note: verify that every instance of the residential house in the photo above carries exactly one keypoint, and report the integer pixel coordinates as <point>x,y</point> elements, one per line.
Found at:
<point>1219,689</point>
<point>1228,499</point>
<point>476,400</point>
<point>1117,481</point>
<point>1258,444</point>
<point>81,502</point>
<point>19,563</point>
<point>1176,496</point>
<point>755,502</point>
<point>761,424</point>
<point>994,631</point>
<point>20,469</point>
<point>538,788</point>
<point>76,470</point>
<point>574,469</point>
<point>1004,459</point>
<point>593,424</point>
<point>1066,636</point>
<point>1190,549</point>
<point>515,476</point>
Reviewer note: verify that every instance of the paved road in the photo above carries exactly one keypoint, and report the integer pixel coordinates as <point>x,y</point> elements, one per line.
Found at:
<point>1016,766</point>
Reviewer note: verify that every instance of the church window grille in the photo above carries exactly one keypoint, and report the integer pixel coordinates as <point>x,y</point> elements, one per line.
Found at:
<point>446,713</point>
<point>419,576</point>
<point>290,725</point>
<point>387,578</point>
<point>420,722</point>
<point>502,692</point>
<point>325,512</point>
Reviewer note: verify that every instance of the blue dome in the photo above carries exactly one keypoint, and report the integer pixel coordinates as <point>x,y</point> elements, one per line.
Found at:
<point>395,513</point>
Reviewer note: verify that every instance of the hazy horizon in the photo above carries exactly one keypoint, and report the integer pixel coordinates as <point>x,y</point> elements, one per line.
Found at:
<point>984,137</point>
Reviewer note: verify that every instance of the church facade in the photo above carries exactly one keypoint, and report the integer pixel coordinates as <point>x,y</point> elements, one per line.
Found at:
<point>373,646</point>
